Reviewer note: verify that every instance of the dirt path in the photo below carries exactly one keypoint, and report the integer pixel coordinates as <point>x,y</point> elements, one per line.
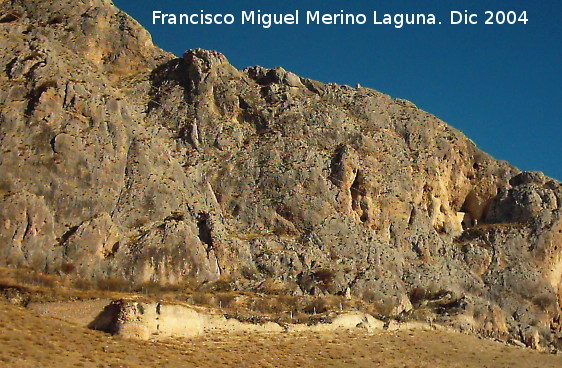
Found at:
<point>31,340</point>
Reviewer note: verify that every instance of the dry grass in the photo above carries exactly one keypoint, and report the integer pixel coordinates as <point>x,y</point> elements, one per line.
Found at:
<point>218,294</point>
<point>271,303</point>
<point>27,277</point>
<point>41,287</point>
<point>30,340</point>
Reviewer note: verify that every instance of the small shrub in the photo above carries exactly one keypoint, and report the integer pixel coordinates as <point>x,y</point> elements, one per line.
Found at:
<point>378,304</point>
<point>83,284</point>
<point>291,303</point>
<point>273,287</point>
<point>383,309</point>
<point>316,306</point>
<point>201,298</point>
<point>113,284</point>
<point>156,289</point>
<point>248,272</point>
<point>217,286</point>
<point>67,268</point>
<point>420,294</point>
<point>546,302</point>
<point>281,230</point>
<point>266,305</point>
<point>35,279</point>
<point>226,299</point>
<point>324,276</point>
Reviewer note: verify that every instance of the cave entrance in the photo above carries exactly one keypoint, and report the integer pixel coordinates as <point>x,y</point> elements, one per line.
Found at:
<point>357,191</point>
<point>473,210</point>
<point>205,233</point>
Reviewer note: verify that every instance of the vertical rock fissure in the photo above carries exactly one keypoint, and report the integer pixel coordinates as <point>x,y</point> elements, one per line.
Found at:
<point>27,225</point>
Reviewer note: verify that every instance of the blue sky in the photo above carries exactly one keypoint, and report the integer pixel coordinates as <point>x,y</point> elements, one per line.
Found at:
<point>500,84</point>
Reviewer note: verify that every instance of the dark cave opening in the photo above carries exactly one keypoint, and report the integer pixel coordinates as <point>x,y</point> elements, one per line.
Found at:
<point>205,234</point>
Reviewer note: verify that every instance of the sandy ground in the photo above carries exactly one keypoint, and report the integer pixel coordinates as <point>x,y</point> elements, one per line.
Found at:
<point>31,340</point>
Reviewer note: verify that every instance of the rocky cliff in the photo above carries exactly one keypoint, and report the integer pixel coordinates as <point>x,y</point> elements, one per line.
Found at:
<point>127,162</point>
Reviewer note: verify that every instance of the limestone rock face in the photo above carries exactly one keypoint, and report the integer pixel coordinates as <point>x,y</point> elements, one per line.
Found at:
<point>131,163</point>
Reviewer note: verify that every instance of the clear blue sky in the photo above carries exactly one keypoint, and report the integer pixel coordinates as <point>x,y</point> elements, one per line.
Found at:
<point>501,85</point>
